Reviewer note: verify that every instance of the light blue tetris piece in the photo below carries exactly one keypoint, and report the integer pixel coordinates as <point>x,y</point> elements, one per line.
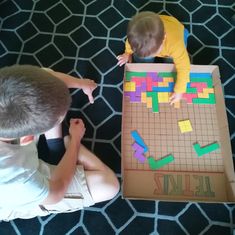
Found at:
<point>139,140</point>
<point>169,88</point>
<point>201,75</point>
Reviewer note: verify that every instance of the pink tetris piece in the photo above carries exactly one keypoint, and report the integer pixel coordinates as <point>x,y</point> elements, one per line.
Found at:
<point>137,81</point>
<point>199,86</point>
<point>189,97</point>
<point>149,82</point>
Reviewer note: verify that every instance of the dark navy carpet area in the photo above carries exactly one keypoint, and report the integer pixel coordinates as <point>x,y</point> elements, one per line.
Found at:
<point>83,38</point>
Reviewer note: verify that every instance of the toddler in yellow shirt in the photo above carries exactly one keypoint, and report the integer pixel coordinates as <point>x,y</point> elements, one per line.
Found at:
<point>150,35</point>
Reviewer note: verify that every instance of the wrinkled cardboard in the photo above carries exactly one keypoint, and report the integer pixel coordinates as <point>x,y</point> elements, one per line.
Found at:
<point>209,178</point>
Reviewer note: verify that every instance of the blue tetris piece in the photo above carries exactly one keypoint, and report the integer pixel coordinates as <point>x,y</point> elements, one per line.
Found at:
<point>201,75</point>
<point>139,140</point>
<point>166,89</point>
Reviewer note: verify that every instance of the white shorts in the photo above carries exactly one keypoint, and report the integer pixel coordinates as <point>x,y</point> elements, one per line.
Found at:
<point>76,198</point>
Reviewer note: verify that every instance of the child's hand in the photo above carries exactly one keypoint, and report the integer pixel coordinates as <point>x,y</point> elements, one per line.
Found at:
<point>77,129</point>
<point>175,97</point>
<point>124,58</point>
<point>88,86</point>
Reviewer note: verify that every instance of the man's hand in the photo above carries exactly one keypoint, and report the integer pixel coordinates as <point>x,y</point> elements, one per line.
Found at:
<point>124,58</point>
<point>76,129</point>
<point>175,97</point>
<point>88,86</point>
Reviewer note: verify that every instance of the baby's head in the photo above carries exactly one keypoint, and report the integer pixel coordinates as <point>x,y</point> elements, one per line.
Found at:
<point>145,33</point>
<point>32,101</point>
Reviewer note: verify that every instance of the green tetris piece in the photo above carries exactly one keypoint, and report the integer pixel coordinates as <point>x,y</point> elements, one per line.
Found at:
<point>156,164</point>
<point>210,100</point>
<point>191,90</point>
<point>206,149</point>
<point>136,74</point>
<point>206,80</point>
<point>154,96</point>
<point>167,74</point>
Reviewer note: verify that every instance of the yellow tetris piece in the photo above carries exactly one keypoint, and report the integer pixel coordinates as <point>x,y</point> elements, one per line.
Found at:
<point>143,97</point>
<point>163,84</point>
<point>129,86</point>
<point>185,126</point>
<point>149,102</point>
<point>208,90</point>
<point>203,95</point>
<point>168,79</point>
<point>177,105</point>
<point>163,97</point>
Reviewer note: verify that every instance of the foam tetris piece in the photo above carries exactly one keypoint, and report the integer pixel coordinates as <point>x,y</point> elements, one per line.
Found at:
<point>177,105</point>
<point>208,90</point>
<point>189,97</point>
<point>129,86</point>
<point>210,100</point>
<point>154,97</point>
<point>169,79</point>
<point>201,75</point>
<point>143,97</point>
<point>203,95</point>
<point>156,164</point>
<point>163,97</point>
<point>206,149</point>
<point>198,80</point>
<point>134,74</point>
<point>185,126</point>
<point>139,152</point>
<point>198,85</point>
<point>149,102</point>
<point>135,135</point>
<point>155,76</point>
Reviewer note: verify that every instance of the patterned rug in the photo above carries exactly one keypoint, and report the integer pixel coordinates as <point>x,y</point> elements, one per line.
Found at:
<point>83,38</point>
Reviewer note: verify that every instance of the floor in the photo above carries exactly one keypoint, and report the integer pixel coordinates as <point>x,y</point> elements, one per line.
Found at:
<point>82,38</point>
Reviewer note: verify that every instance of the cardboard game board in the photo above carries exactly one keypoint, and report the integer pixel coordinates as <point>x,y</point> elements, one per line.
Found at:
<point>175,153</point>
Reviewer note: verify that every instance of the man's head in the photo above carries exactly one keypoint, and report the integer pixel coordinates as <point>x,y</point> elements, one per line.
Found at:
<point>32,101</point>
<point>145,33</point>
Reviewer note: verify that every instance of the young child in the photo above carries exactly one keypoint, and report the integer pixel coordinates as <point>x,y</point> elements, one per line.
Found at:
<point>150,35</point>
<point>34,101</point>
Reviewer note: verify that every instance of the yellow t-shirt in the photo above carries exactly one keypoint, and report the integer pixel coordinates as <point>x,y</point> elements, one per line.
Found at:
<point>173,46</point>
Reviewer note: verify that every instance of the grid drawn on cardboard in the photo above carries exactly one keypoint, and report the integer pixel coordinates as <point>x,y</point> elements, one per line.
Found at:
<point>161,133</point>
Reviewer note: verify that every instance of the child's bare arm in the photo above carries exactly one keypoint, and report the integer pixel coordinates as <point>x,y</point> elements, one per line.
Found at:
<point>124,58</point>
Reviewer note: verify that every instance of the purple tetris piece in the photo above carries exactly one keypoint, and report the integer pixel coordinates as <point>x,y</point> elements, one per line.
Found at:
<point>140,157</point>
<point>134,98</point>
<point>154,77</point>
<point>137,147</point>
<point>139,150</point>
<point>143,87</point>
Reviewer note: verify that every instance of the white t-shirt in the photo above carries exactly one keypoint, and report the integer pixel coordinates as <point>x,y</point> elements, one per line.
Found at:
<point>22,185</point>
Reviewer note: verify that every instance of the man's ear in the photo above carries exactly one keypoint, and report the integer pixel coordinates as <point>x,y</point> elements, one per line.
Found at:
<point>26,139</point>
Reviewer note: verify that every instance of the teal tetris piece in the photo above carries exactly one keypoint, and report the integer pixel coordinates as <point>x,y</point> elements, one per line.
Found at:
<point>206,149</point>
<point>156,164</point>
<point>154,96</point>
<point>134,74</point>
<point>210,100</point>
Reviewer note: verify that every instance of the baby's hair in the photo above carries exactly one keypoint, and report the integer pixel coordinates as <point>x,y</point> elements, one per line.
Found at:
<point>145,33</point>
<point>32,101</point>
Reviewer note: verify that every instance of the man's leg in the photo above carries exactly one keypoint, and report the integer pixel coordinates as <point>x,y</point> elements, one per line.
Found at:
<point>101,180</point>
<point>55,145</point>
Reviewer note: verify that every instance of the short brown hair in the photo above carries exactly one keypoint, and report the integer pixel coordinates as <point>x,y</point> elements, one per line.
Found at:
<point>145,33</point>
<point>31,101</point>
